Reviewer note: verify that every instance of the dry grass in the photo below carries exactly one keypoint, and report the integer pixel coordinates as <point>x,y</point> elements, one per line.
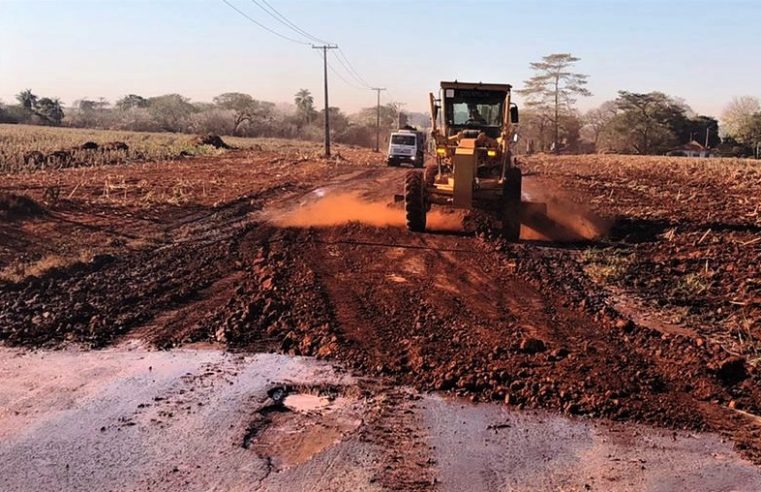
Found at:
<point>16,141</point>
<point>19,271</point>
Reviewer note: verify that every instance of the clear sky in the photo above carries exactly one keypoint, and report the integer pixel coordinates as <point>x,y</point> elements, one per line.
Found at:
<point>703,51</point>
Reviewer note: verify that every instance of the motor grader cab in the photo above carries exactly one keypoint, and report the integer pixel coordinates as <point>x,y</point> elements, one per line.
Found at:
<point>473,127</point>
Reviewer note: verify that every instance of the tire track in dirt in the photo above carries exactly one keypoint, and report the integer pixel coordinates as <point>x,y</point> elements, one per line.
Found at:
<point>515,323</point>
<point>94,303</point>
<point>518,324</point>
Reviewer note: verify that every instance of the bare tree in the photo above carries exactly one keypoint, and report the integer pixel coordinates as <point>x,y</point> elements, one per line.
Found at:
<point>244,107</point>
<point>554,88</point>
<point>599,119</point>
<point>737,118</point>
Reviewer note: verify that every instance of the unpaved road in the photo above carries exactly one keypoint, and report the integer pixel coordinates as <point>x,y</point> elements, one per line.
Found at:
<point>202,420</point>
<point>319,266</point>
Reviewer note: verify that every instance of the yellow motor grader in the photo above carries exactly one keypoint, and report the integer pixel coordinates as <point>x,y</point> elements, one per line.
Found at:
<point>473,127</point>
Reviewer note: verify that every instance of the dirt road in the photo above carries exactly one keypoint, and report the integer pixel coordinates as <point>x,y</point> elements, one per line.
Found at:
<point>320,266</point>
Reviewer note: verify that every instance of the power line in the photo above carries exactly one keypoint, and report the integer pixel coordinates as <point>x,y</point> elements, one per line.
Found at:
<point>338,74</point>
<point>274,13</point>
<point>262,25</point>
<point>343,64</point>
<point>357,74</point>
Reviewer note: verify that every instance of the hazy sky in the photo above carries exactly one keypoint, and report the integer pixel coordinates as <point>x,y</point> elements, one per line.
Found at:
<point>703,51</point>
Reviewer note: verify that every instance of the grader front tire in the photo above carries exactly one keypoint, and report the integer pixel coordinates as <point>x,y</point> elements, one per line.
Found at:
<point>414,201</point>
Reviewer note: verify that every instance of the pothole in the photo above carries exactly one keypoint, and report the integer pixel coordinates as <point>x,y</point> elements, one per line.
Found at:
<point>305,402</point>
<point>297,423</point>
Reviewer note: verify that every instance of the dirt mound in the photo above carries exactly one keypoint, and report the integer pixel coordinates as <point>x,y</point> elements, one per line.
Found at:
<point>59,159</point>
<point>34,159</point>
<point>114,146</point>
<point>211,139</point>
<point>15,207</point>
<point>554,343</point>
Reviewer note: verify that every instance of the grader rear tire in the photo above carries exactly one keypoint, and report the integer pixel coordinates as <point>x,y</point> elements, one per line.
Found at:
<point>414,201</point>
<point>511,204</point>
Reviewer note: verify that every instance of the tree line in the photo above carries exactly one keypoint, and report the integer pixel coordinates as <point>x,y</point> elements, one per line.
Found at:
<point>232,113</point>
<point>633,123</point>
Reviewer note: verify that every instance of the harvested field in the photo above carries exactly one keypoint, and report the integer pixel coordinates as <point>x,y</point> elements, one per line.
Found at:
<point>651,314</point>
<point>25,148</point>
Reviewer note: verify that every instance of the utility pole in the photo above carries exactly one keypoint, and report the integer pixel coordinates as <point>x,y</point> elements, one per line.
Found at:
<point>325,49</point>
<point>377,117</point>
<point>399,113</point>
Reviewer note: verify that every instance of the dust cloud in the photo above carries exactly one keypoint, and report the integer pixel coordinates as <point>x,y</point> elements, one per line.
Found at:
<point>344,208</point>
<point>564,220</point>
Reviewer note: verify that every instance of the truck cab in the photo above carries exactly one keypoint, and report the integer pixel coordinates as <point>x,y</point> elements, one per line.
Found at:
<point>406,146</point>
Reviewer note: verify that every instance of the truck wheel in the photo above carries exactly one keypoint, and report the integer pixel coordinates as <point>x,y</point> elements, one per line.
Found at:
<point>414,201</point>
<point>511,204</point>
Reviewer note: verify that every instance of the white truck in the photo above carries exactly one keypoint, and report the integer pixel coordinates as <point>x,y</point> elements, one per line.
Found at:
<point>406,145</point>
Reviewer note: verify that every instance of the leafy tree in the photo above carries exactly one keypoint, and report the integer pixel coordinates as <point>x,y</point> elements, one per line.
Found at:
<point>697,128</point>
<point>338,121</point>
<point>729,147</point>
<point>90,106</point>
<point>27,100</point>
<point>753,131</point>
<point>647,120</point>
<point>5,116</point>
<point>305,105</point>
<point>552,90</point>
<point>131,101</point>
<point>50,110</point>
<point>170,111</point>
<point>244,107</point>
<point>389,116</point>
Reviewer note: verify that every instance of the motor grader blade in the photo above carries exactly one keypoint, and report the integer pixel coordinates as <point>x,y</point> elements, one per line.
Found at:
<point>534,216</point>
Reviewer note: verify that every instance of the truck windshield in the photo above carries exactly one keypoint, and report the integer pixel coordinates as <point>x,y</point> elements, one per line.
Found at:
<point>403,139</point>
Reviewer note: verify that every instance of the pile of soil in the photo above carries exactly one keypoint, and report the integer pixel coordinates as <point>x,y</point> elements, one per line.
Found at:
<point>17,207</point>
<point>211,139</point>
<point>114,146</point>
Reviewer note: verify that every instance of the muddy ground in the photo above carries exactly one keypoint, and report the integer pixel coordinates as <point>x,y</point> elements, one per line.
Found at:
<point>643,306</point>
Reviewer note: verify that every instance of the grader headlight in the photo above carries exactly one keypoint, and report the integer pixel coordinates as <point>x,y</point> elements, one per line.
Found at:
<point>491,153</point>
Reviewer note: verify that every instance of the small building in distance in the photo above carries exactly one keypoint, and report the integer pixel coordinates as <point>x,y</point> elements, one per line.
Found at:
<point>692,149</point>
